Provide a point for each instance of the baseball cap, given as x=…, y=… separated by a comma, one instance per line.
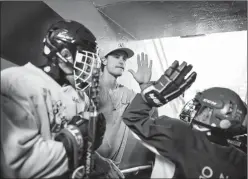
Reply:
x=112, y=47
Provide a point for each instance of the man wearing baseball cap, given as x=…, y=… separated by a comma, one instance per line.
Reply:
x=114, y=98
x=109, y=53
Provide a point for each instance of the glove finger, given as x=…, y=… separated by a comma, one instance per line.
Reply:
x=182, y=66
x=186, y=84
x=177, y=80
x=163, y=83
x=186, y=70
x=183, y=72
x=189, y=81
x=175, y=64
x=177, y=75
x=172, y=68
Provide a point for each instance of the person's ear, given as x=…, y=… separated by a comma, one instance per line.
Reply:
x=104, y=61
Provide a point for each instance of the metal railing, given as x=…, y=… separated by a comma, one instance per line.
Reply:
x=136, y=169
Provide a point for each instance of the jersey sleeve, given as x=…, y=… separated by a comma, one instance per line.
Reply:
x=167, y=135
x=25, y=152
x=131, y=95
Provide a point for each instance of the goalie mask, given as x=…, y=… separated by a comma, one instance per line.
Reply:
x=75, y=45
x=214, y=108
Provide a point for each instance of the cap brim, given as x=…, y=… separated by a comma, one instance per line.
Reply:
x=128, y=51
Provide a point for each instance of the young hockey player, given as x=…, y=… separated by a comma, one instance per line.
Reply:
x=199, y=149
x=44, y=132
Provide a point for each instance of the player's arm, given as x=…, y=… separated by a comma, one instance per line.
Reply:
x=27, y=148
x=162, y=133
x=25, y=151
x=131, y=95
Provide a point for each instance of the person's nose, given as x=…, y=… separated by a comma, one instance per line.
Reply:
x=121, y=61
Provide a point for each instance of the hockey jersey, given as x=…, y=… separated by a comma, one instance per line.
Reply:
x=194, y=155
x=33, y=108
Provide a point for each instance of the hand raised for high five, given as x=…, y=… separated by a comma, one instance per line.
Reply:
x=144, y=72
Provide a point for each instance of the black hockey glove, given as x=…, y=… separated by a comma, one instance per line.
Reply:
x=75, y=136
x=170, y=85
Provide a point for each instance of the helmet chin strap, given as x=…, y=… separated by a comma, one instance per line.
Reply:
x=54, y=71
x=65, y=61
x=68, y=74
x=213, y=133
x=206, y=126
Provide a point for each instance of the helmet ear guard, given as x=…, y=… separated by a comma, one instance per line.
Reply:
x=50, y=50
x=48, y=45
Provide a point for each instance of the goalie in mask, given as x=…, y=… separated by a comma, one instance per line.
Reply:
x=46, y=127
x=198, y=144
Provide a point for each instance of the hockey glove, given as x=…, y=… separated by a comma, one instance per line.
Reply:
x=170, y=85
x=75, y=135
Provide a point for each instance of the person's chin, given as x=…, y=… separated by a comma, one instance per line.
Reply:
x=118, y=72
x=117, y=75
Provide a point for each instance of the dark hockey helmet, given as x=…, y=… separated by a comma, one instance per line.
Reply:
x=220, y=107
x=76, y=45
